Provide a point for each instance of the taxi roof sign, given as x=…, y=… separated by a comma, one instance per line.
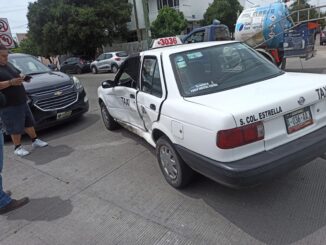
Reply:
x=166, y=41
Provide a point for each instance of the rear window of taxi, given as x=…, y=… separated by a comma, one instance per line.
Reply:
x=218, y=68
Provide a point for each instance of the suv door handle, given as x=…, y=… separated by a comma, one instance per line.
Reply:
x=152, y=106
x=132, y=96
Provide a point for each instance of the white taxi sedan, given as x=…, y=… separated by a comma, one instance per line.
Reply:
x=219, y=109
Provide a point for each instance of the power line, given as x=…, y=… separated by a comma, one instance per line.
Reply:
x=14, y=10
x=20, y=26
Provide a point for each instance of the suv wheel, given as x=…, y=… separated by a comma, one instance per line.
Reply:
x=108, y=120
x=79, y=70
x=94, y=70
x=176, y=172
x=114, y=68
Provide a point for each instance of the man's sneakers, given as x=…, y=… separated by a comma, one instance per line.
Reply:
x=14, y=204
x=20, y=151
x=39, y=143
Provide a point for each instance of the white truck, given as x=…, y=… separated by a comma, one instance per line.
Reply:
x=220, y=109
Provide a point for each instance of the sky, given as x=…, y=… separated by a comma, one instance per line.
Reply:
x=15, y=11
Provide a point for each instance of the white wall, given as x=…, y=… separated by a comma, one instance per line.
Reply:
x=140, y=12
x=193, y=10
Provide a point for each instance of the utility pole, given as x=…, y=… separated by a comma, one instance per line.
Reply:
x=139, y=35
x=146, y=19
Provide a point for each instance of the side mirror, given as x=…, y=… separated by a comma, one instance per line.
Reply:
x=53, y=67
x=108, y=84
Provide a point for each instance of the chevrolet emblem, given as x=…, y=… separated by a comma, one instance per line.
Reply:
x=58, y=93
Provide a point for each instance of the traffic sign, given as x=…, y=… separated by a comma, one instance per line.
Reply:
x=5, y=34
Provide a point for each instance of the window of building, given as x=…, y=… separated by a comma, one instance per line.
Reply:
x=169, y=3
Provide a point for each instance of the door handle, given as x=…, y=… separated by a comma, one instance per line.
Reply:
x=152, y=106
x=132, y=96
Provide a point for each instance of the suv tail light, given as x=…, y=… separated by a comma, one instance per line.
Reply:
x=117, y=59
x=235, y=137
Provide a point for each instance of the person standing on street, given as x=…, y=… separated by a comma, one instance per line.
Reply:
x=16, y=116
x=8, y=204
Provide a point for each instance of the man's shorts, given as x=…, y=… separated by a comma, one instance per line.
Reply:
x=15, y=119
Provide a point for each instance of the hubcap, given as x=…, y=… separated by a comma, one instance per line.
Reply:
x=105, y=116
x=168, y=162
x=114, y=69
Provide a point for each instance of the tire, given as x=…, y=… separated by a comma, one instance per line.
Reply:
x=108, y=120
x=94, y=70
x=176, y=172
x=114, y=68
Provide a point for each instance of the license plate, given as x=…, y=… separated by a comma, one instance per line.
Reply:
x=63, y=115
x=298, y=120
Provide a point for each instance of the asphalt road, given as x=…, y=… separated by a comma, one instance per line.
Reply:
x=92, y=186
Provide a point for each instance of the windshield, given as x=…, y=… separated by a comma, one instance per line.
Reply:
x=28, y=65
x=218, y=68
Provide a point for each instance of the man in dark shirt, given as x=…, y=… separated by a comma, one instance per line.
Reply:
x=7, y=204
x=16, y=116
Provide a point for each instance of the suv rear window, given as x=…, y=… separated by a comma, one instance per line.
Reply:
x=122, y=54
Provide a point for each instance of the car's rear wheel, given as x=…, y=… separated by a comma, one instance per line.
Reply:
x=176, y=172
x=94, y=70
x=114, y=68
x=108, y=120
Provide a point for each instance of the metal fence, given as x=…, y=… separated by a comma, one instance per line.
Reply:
x=131, y=47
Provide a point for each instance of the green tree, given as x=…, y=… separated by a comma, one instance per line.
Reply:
x=169, y=22
x=303, y=15
x=226, y=11
x=26, y=46
x=76, y=26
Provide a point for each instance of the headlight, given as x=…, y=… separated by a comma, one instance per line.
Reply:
x=77, y=83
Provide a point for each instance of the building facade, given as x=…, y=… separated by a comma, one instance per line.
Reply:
x=193, y=11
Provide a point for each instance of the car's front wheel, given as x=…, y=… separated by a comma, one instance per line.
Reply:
x=114, y=68
x=94, y=70
x=108, y=120
x=79, y=70
x=176, y=172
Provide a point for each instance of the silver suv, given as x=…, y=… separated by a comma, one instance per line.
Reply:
x=108, y=62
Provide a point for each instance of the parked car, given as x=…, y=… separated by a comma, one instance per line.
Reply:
x=53, y=96
x=109, y=62
x=76, y=65
x=322, y=37
x=220, y=109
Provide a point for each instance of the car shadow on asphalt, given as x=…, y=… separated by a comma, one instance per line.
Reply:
x=42, y=209
x=41, y=156
x=137, y=139
x=70, y=127
x=282, y=211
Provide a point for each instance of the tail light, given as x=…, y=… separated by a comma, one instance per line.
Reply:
x=117, y=59
x=81, y=61
x=235, y=137
x=322, y=34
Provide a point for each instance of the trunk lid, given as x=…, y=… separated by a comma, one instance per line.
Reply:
x=271, y=101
